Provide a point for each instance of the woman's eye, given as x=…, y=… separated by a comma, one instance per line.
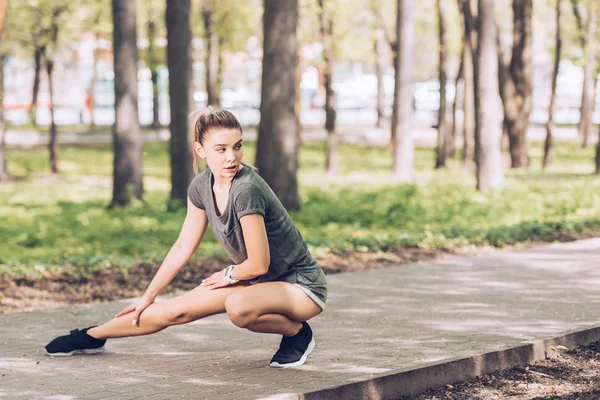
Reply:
x=220, y=150
x=238, y=147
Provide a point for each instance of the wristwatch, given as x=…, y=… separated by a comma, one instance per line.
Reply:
x=228, y=277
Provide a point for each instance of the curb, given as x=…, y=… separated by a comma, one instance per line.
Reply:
x=411, y=382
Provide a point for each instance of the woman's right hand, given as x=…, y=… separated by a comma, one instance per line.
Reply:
x=136, y=309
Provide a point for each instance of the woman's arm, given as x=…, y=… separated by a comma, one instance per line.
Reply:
x=192, y=232
x=257, y=247
x=189, y=239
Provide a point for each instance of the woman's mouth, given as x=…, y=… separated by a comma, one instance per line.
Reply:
x=231, y=168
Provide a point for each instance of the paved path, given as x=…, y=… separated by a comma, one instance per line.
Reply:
x=376, y=322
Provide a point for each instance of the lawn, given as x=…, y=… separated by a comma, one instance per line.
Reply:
x=61, y=224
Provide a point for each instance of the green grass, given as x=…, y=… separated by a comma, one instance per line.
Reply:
x=62, y=224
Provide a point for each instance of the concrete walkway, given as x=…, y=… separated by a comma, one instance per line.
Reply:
x=377, y=323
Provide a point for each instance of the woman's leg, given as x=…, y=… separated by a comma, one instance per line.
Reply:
x=195, y=304
x=271, y=307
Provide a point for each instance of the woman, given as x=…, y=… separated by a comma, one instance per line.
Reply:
x=275, y=285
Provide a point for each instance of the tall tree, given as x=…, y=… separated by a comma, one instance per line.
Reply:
x=557, y=54
x=467, y=8
x=212, y=54
x=488, y=157
x=332, y=161
x=179, y=60
x=516, y=84
x=443, y=141
x=458, y=82
x=127, y=135
x=402, y=106
x=379, y=48
x=153, y=66
x=587, y=19
x=50, y=56
x=4, y=175
x=277, y=144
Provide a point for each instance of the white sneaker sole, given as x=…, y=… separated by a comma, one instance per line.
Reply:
x=75, y=352
x=298, y=363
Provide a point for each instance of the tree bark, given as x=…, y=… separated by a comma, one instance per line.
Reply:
x=379, y=45
x=457, y=83
x=443, y=142
x=212, y=55
x=516, y=84
x=127, y=136
x=487, y=128
x=179, y=60
x=405, y=148
x=470, y=41
x=332, y=159
x=52, y=143
x=598, y=155
x=91, y=88
x=4, y=175
x=557, y=54
x=38, y=54
x=277, y=144
x=153, y=66
x=589, y=81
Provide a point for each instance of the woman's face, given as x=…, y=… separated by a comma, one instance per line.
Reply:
x=222, y=151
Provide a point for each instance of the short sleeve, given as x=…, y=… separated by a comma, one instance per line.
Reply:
x=195, y=192
x=250, y=200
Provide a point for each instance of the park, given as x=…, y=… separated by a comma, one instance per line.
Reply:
x=441, y=161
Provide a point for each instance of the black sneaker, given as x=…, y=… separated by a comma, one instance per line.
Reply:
x=77, y=342
x=293, y=350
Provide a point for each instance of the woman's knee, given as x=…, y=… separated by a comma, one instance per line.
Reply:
x=239, y=311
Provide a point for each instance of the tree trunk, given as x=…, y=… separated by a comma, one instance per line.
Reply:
x=469, y=41
x=91, y=101
x=127, y=136
x=379, y=72
x=394, y=116
x=52, y=143
x=212, y=55
x=332, y=159
x=38, y=53
x=179, y=60
x=405, y=148
x=443, y=142
x=487, y=128
x=153, y=66
x=516, y=84
x=457, y=83
x=4, y=175
x=550, y=124
x=297, y=97
x=589, y=89
x=277, y=148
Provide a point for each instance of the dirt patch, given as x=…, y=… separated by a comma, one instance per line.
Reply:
x=574, y=375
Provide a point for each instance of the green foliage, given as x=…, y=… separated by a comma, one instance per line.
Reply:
x=63, y=225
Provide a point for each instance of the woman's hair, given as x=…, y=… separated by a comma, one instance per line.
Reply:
x=207, y=119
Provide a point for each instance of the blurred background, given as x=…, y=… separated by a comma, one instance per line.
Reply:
x=391, y=130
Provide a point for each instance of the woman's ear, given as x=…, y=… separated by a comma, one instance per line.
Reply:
x=199, y=150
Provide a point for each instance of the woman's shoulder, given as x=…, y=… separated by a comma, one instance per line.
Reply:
x=201, y=178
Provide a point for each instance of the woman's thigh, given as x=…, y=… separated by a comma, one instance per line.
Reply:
x=274, y=298
x=199, y=302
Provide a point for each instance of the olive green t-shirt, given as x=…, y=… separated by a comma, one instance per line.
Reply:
x=291, y=260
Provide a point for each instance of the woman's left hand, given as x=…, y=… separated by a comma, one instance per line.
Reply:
x=215, y=281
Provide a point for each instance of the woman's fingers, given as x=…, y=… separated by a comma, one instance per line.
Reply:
x=126, y=310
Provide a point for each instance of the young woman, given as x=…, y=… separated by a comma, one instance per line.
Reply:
x=275, y=285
